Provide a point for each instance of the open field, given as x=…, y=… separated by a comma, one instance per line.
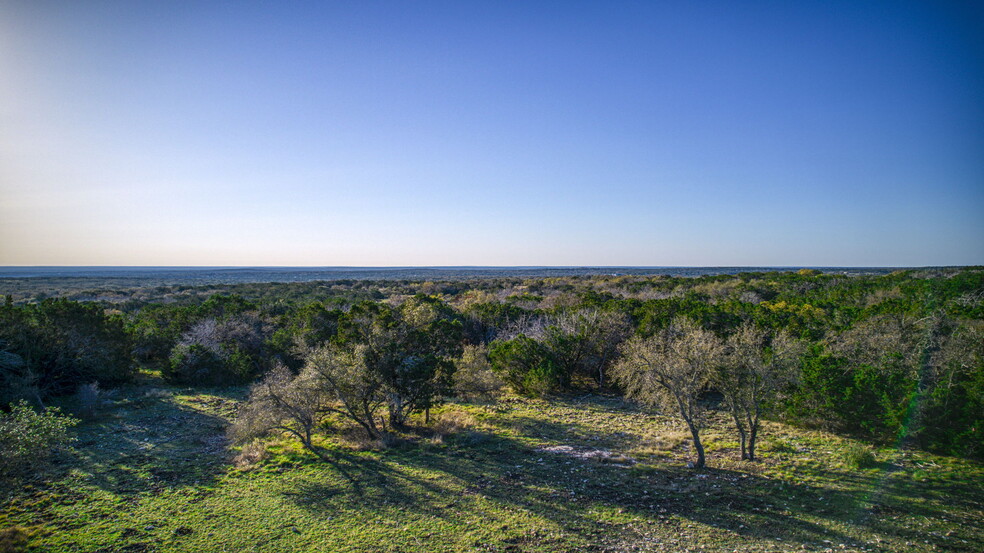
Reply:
x=152, y=472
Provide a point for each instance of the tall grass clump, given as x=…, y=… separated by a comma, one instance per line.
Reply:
x=859, y=456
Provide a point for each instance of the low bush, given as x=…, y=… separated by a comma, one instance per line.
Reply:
x=28, y=437
x=526, y=365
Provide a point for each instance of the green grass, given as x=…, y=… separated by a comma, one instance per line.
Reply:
x=152, y=473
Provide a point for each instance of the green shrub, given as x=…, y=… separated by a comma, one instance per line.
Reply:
x=220, y=352
x=66, y=344
x=28, y=437
x=526, y=365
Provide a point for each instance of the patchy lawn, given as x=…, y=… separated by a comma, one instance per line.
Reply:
x=153, y=473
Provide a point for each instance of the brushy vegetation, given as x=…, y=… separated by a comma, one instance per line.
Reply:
x=29, y=438
x=871, y=347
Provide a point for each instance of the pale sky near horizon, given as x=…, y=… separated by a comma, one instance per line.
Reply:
x=491, y=133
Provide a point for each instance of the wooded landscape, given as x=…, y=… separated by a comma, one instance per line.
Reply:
x=710, y=377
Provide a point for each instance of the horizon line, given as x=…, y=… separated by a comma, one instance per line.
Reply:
x=794, y=266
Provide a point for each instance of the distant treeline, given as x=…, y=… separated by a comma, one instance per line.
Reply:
x=118, y=284
x=895, y=357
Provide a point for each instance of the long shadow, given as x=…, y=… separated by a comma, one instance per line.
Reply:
x=151, y=444
x=565, y=490
x=886, y=497
x=367, y=485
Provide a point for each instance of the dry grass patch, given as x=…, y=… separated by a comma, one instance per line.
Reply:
x=250, y=455
x=355, y=438
x=665, y=445
x=453, y=421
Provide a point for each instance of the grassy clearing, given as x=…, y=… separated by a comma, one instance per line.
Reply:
x=153, y=473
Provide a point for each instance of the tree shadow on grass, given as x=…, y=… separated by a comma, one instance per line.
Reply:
x=512, y=474
x=366, y=484
x=458, y=481
x=151, y=444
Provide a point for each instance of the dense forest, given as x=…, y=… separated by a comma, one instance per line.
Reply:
x=896, y=358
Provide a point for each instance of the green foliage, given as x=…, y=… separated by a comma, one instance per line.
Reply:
x=877, y=400
x=823, y=382
x=483, y=321
x=379, y=357
x=194, y=363
x=952, y=415
x=561, y=351
x=16, y=380
x=155, y=329
x=527, y=365
x=408, y=349
x=221, y=306
x=891, y=355
x=869, y=399
x=231, y=349
x=65, y=344
x=301, y=329
x=199, y=365
x=28, y=437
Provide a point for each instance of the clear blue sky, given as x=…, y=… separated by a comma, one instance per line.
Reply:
x=491, y=133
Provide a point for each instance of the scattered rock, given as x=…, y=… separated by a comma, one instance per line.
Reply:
x=585, y=453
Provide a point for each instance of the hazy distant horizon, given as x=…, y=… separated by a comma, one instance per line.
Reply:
x=11, y=267
x=504, y=267
x=225, y=275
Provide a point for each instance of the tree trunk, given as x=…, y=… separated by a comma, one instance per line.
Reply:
x=751, y=442
x=368, y=422
x=697, y=445
x=601, y=369
x=307, y=438
x=741, y=434
x=370, y=429
x=744, y=449
x=397, y=417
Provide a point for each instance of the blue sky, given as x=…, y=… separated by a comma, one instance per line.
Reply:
x=491, y=133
